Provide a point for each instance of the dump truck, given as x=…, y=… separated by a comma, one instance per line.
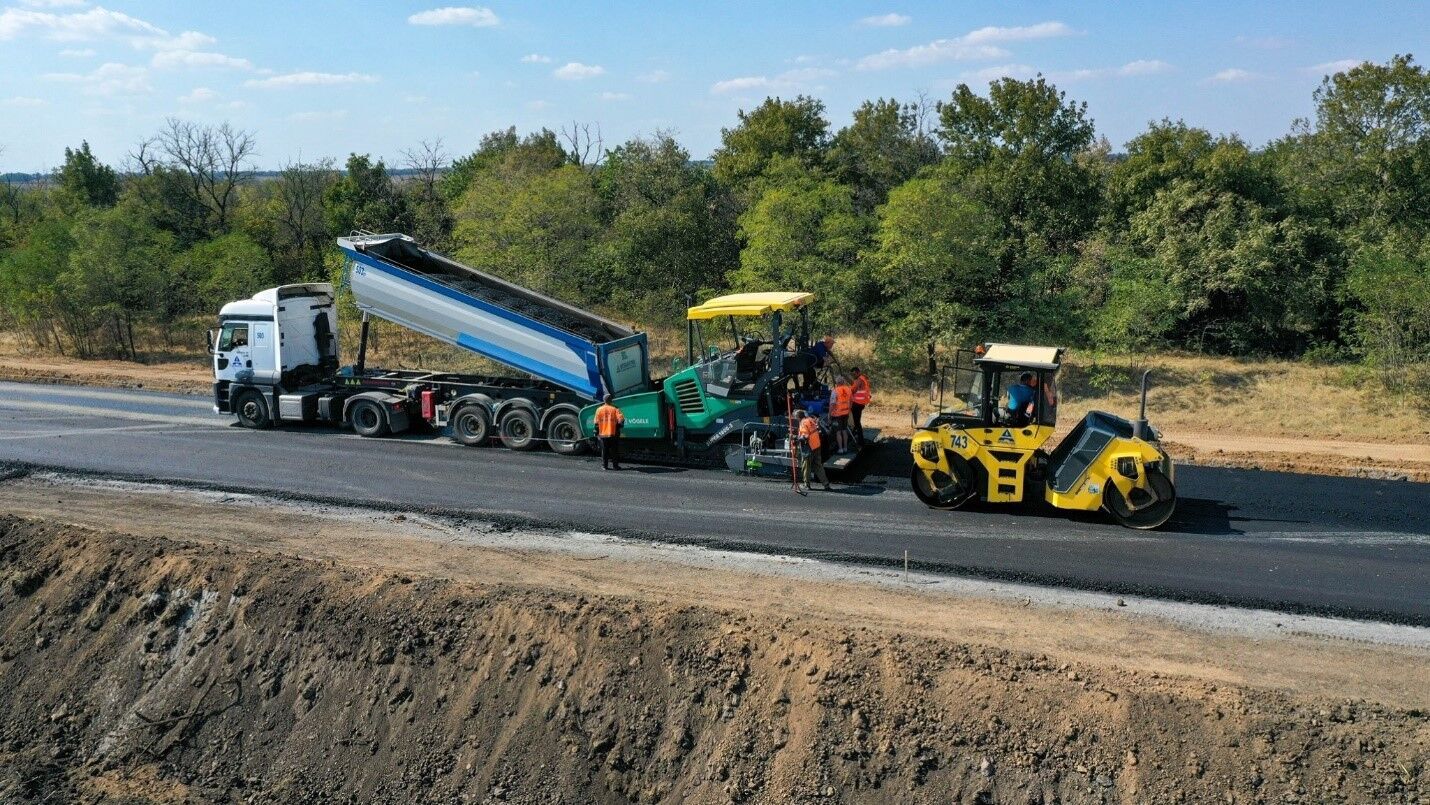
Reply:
x=275, y=360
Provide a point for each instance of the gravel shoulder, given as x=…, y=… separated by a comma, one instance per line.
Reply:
x=302, y=652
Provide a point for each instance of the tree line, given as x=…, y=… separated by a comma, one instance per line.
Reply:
x=1000, y=215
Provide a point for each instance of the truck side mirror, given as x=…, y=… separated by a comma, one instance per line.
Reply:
x=209, y=338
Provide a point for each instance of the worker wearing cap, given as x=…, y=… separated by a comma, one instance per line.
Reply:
x=863, y=395
x=841, y=403
x=609, y=420
x=810, y=458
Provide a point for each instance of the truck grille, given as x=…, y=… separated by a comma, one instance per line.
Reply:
x=687, y=397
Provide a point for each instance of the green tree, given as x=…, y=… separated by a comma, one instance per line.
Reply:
x=1364, y=160
x=85, y=181
x=504, y=152
x=117, y=267
x=1391, y=323
x=31, y=293
x=936, y=266
x=539, y=231
x=215, y=272
x=365, y=198
x=669, y=227
x=795, y=129
x=881, y=149
x=802, y=233
x=1016, y=153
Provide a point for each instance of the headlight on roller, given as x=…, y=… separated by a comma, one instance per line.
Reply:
x=928, y=449
x=1127, y=467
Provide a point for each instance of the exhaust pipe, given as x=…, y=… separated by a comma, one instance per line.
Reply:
x=1140, y=428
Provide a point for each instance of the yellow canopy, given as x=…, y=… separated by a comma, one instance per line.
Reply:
x=1022, y=356
x=749, y=304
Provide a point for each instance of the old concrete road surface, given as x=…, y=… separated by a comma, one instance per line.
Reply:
x=1288, y=542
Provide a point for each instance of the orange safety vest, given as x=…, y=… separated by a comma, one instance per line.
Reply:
x=842, y=401
x=862, y=392
x=608, y=420
x=809, y=429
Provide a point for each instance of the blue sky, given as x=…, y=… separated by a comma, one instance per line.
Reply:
x=321, y=78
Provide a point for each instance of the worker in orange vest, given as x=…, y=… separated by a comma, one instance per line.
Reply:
x=863, y=395
x=841, y=402
x=609, y=420
x=810, y=457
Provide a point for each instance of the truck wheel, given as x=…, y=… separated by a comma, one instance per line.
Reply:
x=252, y=410
x=563, y=433
x=517, y=429
x=471, y=426
x=368, y=418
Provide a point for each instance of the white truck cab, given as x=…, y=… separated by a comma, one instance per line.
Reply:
x=284, y=336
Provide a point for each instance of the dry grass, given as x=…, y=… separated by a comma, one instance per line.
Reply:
x=1190, y=394
x=1196, y=394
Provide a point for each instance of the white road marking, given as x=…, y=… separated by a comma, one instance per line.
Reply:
x=215, y=421
x=50, y=434
x=96, y=394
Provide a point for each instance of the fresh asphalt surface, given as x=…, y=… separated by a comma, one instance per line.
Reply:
x=1298, y=543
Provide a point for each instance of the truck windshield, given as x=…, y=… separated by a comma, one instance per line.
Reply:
x=232, y=337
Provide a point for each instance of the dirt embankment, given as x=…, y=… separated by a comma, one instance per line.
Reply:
x=151, y=669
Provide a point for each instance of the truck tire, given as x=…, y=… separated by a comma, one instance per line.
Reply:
x=368, y=418
x=471, y=426
x=252, y=410
x=517, y=429
x=563, y=433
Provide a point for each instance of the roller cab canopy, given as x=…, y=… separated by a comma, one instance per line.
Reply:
x=749, y=304
x=1021, y=356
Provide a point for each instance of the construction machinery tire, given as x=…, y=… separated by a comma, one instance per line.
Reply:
x=368, y=419
x=252, y=410
x=1149, y=514
x=471, y=425
x=563, y=433
x=517, y=429
x=944, y=490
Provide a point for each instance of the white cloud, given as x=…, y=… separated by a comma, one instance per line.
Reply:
x=95, y=24
x=615, y=96
x=108, y=79
x=1232, y=75
x=786, y=81
x=309, y=79
x=475, y=16
x=890, y=20
x=198, y=95
x=21, y=100
x=316, y=116
x=535, y=58
x=1144, y=67
x=173, y=59
x=980, y=44
x=53, y=3
x=1019, y=33
x=1332, y=67
x=653, y=77
x=77, y=53
x=997, y=71
x=575, y=71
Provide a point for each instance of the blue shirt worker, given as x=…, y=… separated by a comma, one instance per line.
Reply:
x=1020, y=398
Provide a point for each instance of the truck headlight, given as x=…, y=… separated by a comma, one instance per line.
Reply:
x=1127, y=467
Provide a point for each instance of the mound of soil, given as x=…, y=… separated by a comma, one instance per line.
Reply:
x=142, y=669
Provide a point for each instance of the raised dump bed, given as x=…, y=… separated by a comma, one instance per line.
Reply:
x=395, y=279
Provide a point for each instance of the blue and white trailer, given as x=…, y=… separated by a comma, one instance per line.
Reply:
x=275, y=355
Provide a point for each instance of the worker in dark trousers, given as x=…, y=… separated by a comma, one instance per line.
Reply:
x=609, y=421
x=811, y=457
x=863, y=395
